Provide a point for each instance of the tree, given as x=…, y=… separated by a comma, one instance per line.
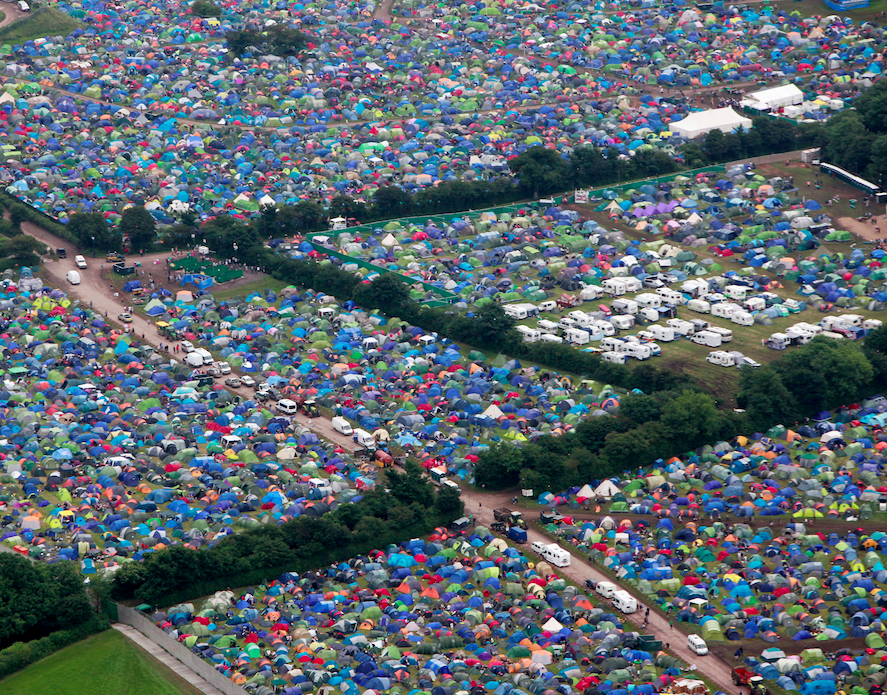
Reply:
x=25, y=250
x=499, y=465
x=137, y=224
x=284, y=41
x=540, y=171
x=448, y=503
x=491, y=325
x=240, y=41
x=230, y=237
x=872, y=107
x=765, y=398
x=691, y=418
x=349, y=208
x=387, y=292
x=205, y=8
x=825, y=373
x=392, y=202
x=411, y=485
x=640, y=408
x=586, y=166
x=92, y=231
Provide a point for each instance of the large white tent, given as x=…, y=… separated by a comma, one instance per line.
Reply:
x=702, y=122
x=774, y=98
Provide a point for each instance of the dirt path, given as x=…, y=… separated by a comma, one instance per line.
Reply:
x=11, y=13
x=863, y=229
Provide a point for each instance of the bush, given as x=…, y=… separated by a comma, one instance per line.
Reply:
x=20, y=654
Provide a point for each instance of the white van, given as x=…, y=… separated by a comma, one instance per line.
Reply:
x=606, y=589
x=625, y=602
x=23, y=6
x=80, y=262
x=205, y=355
x=708, y=338
x=342, y=426
x=192, y=359
x=230, y=440
x=286, y=407
x=614, y=357
x=550, y=338
x=73, y=277
x=363, y=438
x=697, y=645
x=547, y=306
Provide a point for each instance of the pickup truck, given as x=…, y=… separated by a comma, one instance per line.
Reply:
x=551, y=517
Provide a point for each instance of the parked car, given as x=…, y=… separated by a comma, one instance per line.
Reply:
x=126, y=318
x=233, y=381
x=248, y=381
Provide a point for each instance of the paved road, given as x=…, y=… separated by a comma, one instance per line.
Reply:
x=167, y=659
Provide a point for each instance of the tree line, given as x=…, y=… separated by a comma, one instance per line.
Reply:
x=410, y=507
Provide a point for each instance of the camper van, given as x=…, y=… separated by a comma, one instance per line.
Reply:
x=707, y=338
x=590, y=293
x=798, y=336
x=547, y=326
x=754, y=304
x=614, y=344
x=624, y=306
x=606, y=589
x=832, y=335
x=872, y=324
x=622, y=322
x=725, y=310
x=638, y=351
x=721, y=358
x=700, y=306
x=849, y=320
x=649, y=300
x=552, y=553
x=529, y=335
x=547, y=306
x=810, y=329
x=567, y=323
x=669, y=296
x=604, y=327
x=725, y=333
x=624, y=601
x=663, y=333
x=742, y=318
x=830, y=323
x=614, y=357
x=737, y=292
x=681, y=327
x=550, y=338
x=777, y=341
x=577, y=336
x=516, y=311
x=695, y=288
x=615, y=287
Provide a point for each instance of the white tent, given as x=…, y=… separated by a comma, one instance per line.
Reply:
x=606, y=489
x=702, y=122
x=552, y=625
x=493, y=412
x=585, y=491
x=775, y=98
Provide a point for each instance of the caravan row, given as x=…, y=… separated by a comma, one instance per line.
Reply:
x=845, y=327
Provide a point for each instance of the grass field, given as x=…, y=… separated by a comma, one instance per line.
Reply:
x=45, y=22
x=221, y=293
x=107, y=663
